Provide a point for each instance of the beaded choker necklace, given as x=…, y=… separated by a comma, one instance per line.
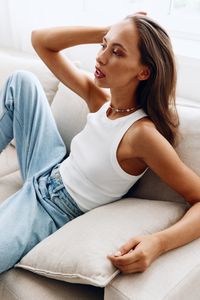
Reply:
x=122, y=110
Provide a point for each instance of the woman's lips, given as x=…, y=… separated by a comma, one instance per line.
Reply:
x=99, y=74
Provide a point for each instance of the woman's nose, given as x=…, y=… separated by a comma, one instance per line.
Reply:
x=102, y=57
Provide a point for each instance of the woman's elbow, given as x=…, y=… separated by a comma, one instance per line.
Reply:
x=35, y=38
x=193, y=198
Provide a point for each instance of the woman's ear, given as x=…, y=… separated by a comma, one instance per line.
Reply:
x=144, y=73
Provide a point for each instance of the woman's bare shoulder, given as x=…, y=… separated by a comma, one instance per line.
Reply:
x=144, y=135
x=141, y=128
x=144, y=123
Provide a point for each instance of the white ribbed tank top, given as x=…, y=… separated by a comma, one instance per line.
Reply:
x=91, y=173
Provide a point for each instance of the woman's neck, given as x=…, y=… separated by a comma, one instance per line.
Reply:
x=120, y=100
x=121, y=104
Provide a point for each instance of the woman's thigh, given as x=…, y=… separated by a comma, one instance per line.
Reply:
x=23, y=222
x=40, y=208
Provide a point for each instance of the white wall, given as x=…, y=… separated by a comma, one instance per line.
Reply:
x=19, y=17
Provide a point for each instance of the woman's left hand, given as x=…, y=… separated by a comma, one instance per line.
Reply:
x=137, y=254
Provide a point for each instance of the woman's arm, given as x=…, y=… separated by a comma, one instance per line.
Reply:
x=138, y=253
x=49, y=43
x=59, y=38
x=183, y=232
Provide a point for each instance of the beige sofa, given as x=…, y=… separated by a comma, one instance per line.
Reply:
x=63, y=267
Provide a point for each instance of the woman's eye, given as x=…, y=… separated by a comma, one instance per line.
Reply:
x=117, y=53
x=103, y=46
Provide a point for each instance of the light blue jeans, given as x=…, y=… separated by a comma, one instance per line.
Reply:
x=42, y=205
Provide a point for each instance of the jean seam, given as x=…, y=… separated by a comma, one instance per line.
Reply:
x=21, y=124
x=56, y=194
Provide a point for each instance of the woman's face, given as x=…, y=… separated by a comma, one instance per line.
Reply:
x=118, y=61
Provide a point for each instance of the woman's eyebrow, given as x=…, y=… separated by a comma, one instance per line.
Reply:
x=115, y=44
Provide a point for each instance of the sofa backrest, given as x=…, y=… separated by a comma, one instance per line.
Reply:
x=188, y=78
x=11, y=61
x=70, y=112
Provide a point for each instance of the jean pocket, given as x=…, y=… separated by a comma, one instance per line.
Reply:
x=42, y=187
x=59, y=197
x=64, y=202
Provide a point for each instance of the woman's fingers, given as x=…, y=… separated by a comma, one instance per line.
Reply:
x=141, y=13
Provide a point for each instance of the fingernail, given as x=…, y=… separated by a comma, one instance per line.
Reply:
x=118, y=253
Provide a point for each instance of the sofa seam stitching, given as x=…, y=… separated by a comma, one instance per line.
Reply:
x=12, y=292
x=164, y=298
x=114, y=288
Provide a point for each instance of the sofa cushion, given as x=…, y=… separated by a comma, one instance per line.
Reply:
x=173, y=276
x=8, y=161
x=78, y=251
x=11, y=61
x=9, y=184
x=18, y=284
x=10, y=179
x=70, y=113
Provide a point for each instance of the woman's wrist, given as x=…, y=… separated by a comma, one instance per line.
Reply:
x=161, y=242
x=59, y=38
x=103, y=32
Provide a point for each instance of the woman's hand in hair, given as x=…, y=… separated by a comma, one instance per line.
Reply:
x=141, y=13
x=137, y=254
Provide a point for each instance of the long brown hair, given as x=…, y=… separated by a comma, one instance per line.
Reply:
x=156, y=95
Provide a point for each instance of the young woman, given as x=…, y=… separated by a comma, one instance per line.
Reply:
x=129, y=129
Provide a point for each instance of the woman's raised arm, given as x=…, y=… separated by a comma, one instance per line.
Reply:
x=49, y=42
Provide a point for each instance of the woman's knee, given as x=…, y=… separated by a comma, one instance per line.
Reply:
x=24, y=88
x=23, y=77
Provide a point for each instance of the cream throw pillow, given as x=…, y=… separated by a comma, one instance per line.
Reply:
x=11, y=61
x=70, y=112
x=78, y=251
